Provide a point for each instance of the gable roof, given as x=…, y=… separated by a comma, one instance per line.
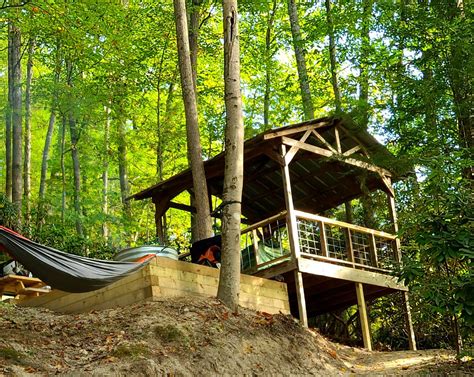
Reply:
x=337, y=161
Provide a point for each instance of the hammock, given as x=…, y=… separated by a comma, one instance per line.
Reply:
x=67, y=272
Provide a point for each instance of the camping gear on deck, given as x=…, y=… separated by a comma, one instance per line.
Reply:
x=134, y=254
x=207, y=251
x=67, y=272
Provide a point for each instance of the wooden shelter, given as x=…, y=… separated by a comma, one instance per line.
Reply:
x=292, y=176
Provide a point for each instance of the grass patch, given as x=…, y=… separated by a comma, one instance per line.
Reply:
x=11, y=354
x=170, y=333
x=131, y=350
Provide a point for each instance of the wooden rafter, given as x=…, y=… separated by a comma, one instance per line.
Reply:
x=294, y=149
x=327, y=153
x=324, y=141
x=294, y=130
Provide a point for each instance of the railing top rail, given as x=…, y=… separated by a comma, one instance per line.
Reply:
x=310, y=216
x=264, y=222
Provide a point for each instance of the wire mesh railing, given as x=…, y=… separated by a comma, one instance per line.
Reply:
x=336, y=241
x=264, y=244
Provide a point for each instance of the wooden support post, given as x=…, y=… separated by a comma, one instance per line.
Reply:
x=398, y=257
x=349, y=248
x=322, y=237
x=160, y=233
x=291, y=217
x=255, y=246
x=409, y=322
x=301, y=298
x=373, y=250
x=364, y=320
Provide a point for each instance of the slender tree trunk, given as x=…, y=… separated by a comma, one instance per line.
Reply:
x=17, y=163
x=105, y=176
x=367, y=200
x=332, y=56
x=300, y=61
x=229, y=282
x=203, y=216
x=335, y=84
x=268, y=66
x=363, y=62
x=48, y=141
x=8, y=119
x=194, y=21
x=123, y=163
x=63, y=167
x=75, y=154
x=193, y=50
x=27, y=160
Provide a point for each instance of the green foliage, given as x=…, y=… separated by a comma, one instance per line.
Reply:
x=419, y=62
x=8, y=214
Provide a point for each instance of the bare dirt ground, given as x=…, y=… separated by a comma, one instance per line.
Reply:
x=188, y=337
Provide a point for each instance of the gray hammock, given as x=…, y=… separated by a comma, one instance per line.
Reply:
x=67, y=272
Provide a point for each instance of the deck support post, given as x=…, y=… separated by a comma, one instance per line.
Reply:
x=301, y=298
x=409, y=322
x=364, y=320
x=398, y=256
x=290, y=209
x=293, y=236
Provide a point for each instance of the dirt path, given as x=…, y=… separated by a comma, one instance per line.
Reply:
x=423, y=362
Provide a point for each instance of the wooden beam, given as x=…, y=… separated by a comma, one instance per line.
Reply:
x=364, y=320
x=291, y=217
x=348, y=273
x=324, y=141
x=352, y=150
x=301, y=298
x=294, y=130
x=338, y=139
x=294, y=149
x=284, y=267
x=327, y=153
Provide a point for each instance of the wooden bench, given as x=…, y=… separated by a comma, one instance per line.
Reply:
x=22, y=286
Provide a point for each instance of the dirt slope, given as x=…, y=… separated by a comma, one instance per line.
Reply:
x=185, y=336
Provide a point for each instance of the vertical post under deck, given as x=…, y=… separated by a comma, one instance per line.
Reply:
x=301, y=298
x=294, y=242
x=364, y=319
x=398, y=256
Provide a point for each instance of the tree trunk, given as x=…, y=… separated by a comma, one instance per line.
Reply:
x=105, y=176
x=8, y=120
x=363, y=63
x=62, y=145
x=75, y=154
x=335, y=84
x=367, y=199
x=332, y=57
x=300, y=61
x=194, y=38
x=27, y=160
x=268, y=66
x=123, y=163
x=17, y=163
x=229, y=282
x=49, y=133
x=203, y=216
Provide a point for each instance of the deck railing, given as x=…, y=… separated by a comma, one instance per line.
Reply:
x=330, y=240
x=267, y=243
